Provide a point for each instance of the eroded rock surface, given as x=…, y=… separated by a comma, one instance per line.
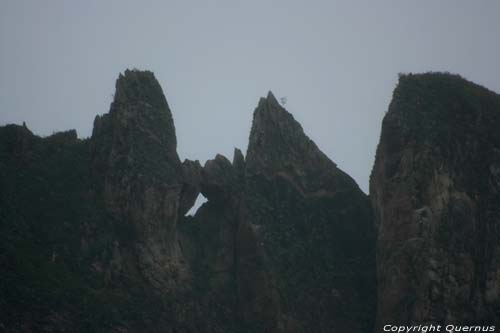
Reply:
x=435, y=193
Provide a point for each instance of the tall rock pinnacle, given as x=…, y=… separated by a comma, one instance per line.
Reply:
x=435, y=191
x=138, y=133
x=134, y=158
x=314, y=226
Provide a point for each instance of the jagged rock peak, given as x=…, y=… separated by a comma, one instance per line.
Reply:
x=270, y=103
x=135, y=86
x=138, y=129
x=238, y=158
x=278, y=144
x=272, y=124
x=271, y=99
x=292, y=191
x=139, y=104
x=434, y=190
x=239, y=164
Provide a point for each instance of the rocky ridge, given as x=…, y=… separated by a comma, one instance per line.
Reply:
x=232, y=267
x=95, y=237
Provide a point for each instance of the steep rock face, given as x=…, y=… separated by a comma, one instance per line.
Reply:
x=435, y=193
x=134, y=155
x=89, y=238
x=313, y=229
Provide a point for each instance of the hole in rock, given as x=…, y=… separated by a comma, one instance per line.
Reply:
x=200, y=200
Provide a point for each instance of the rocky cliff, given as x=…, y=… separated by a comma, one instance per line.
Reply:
x=285, y=241
x=435, y=194
x=94, y=235
x=313, y=224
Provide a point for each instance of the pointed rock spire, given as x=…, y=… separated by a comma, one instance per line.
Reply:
x=136, y=86
x=239, y=165
x=138, y=133
x=135, y=162
x=300, y=202
x=278, y=142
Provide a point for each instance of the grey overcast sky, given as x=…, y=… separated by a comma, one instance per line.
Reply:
x=335, y=61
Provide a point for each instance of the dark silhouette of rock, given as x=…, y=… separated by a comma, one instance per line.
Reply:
x=313, y=229
x=210, y=241
x=94, y=234
x=435, y=193
x=283, y=244
x=133, y=150
x=90, y=227
x=219, y=180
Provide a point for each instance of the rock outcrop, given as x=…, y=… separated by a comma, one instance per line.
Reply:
x=94, y=234
x=313, y=226
x=435, y=193
x=209, y=240
x=283, y=244
x=134, y=158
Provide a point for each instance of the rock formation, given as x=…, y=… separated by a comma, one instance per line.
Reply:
x=435, y=194
x=97, y=237
x=94, y=234
x=286, y=237
x=313, y=225
x=134, y=156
